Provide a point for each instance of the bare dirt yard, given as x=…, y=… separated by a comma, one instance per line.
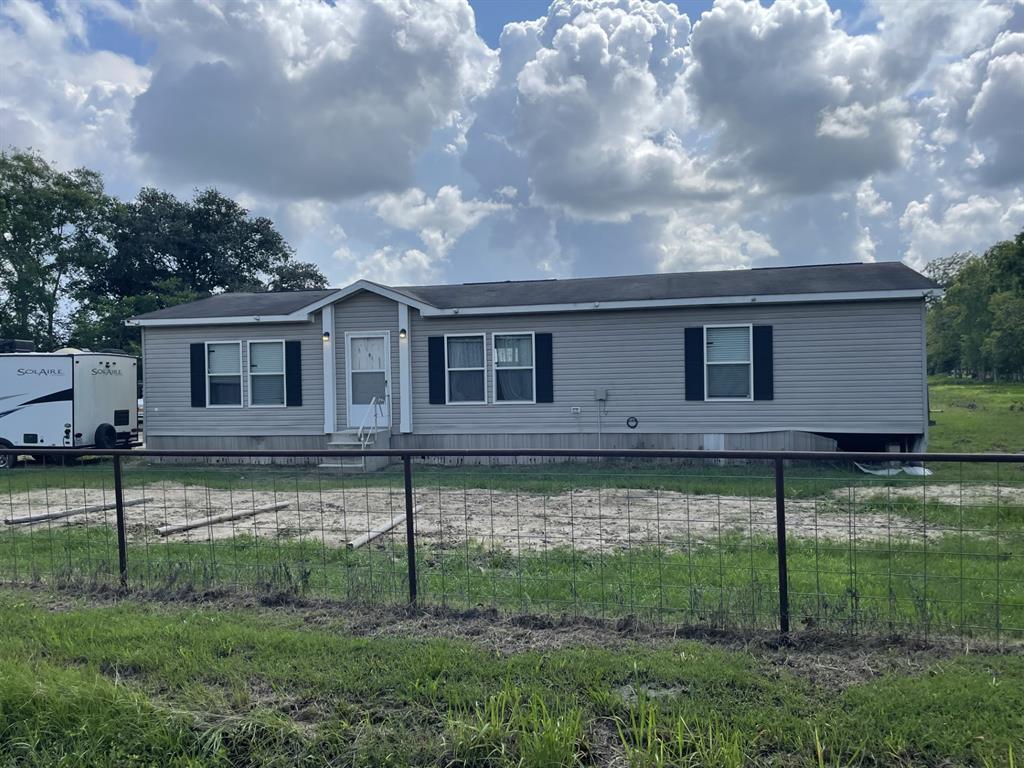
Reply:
x=584, y=519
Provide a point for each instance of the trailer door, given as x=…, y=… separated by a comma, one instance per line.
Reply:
x=105, y=393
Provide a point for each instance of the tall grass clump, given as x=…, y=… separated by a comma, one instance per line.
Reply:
x=513, y=729
x=651, y=739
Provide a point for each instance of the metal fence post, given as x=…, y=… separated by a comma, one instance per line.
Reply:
x=780, y=531
x=410, y=528
x=122, y=544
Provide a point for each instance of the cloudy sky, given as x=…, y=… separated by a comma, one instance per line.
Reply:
x=458, y=141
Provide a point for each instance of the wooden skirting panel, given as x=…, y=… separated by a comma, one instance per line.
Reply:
x=766, y=441
x=237, y=443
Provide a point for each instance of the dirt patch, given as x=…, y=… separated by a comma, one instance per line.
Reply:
x=955, y=494
x=583, y=519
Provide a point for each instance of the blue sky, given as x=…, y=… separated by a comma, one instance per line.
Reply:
x=418, y=144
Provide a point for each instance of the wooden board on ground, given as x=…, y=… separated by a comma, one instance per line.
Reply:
x=377, y=532
x=76, y=511
x=167, y=530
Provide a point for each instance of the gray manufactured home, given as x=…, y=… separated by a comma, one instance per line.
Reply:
x=783, y=358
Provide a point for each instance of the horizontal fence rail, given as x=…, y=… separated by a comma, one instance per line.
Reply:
x=726, y=539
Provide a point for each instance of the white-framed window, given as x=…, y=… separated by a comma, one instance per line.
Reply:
x=224, y=374
x=266, y=374
x=728, y=368
x=465, y=366
x=515, y=378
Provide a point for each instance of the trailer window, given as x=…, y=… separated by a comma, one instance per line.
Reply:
x=728, y=367
x=464, y=358
x=224, y=373
x=266, y=373
x=513, y=368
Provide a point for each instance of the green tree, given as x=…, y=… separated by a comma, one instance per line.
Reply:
x=977, y=327
x=1004, y=344
x=51, y=236
x=944, y=270
x=166, y=251
x=297, y=276
x=75, y=263
x=1007, y=260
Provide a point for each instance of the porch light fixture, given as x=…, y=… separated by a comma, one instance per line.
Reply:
x=403, y=334
x=327, y=336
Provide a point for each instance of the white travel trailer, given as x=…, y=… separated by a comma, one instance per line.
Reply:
x=67, y=399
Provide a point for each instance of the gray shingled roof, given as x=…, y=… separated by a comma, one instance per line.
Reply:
x=826, y=278
x=240, y=305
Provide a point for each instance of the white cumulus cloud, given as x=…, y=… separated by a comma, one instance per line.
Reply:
x=687, y=246
x=388, y=265
x=794, y=101
x=973, y=224
x=869, y=202
x=590, y=103
x=301, y=98
x=606, y=136
x=440, y=220
x=60, y=98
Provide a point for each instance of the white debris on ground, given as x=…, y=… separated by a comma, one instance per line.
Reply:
x=583, y=519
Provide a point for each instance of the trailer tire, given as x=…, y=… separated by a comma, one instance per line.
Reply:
x=105, y=437
x=6, y=459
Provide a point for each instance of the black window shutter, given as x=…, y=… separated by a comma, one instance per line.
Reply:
x=693, y=362
x=293, y=372
x=764, y=374
x=542, y=350
x=197, y=372
x=435, y=369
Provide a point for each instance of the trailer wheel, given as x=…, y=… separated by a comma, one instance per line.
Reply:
x=106, y=436
x=6, y=459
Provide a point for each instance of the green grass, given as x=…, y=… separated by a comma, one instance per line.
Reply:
x=803, y=479
x=956, y=583
x=976, y=417
x=146, y=684
x=968, y=578
x=700, y=477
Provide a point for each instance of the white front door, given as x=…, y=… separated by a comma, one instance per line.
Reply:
x=368, y=378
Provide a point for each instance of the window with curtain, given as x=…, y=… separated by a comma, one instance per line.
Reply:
x=727, y=362
x=464, y=361
x=513, y=368
x=224, y=373
x=266, y=373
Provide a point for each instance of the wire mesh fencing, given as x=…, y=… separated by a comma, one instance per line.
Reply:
x=752, y=540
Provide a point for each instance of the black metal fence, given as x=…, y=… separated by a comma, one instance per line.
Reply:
x=931, y=545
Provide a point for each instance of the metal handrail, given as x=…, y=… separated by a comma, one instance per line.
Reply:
x=362, y=434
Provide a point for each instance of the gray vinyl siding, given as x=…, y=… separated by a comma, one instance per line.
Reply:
x=365, y=311
x=167, y=388
x=855, y=367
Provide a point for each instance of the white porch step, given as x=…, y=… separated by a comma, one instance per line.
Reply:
x=348, y=440
x=355, y=464
x=350, y=437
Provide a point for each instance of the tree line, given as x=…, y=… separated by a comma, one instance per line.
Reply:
x=76, y=262
x=977, y=328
